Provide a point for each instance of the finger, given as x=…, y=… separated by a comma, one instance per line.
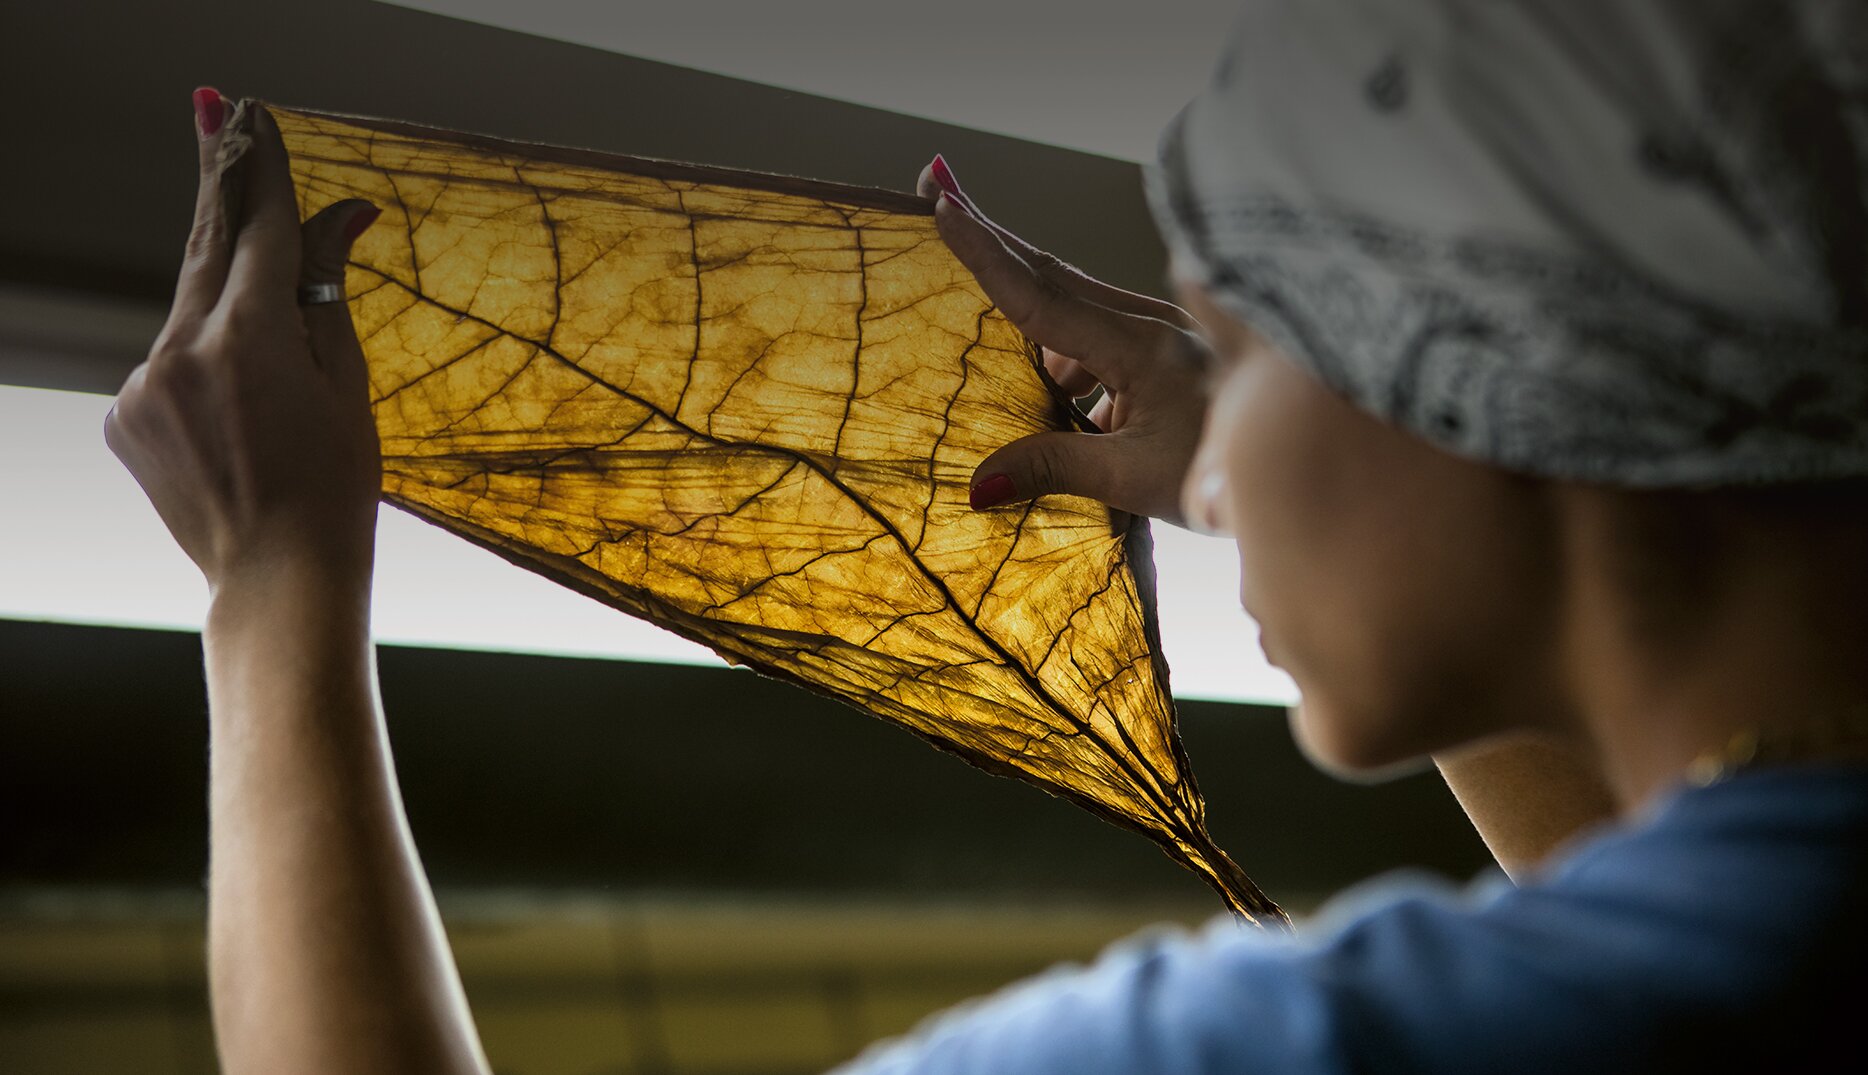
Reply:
x=1095, y=465
x=1103, y=414
x=1107, y=343
x=266, y=255
x=204, y=262
x=938, y=177
x=326, y=240
x=1070, y=375
x=1074, y=280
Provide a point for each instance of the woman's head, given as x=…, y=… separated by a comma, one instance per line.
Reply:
x=1423, y=601
x=1411, y=594
x=1496, y=294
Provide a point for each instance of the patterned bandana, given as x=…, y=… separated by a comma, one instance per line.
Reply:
x=1615, y=241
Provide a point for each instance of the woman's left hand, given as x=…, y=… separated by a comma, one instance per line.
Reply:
x=1146, y=355
x=249, y=424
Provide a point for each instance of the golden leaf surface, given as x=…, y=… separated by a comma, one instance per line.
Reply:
x=747, y=408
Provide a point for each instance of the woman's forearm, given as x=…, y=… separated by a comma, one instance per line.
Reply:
x=325, y=950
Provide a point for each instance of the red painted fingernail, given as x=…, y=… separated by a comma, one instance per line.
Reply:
x=991, y=492
x=208, y=111
x=944, y=176
x=359, y=221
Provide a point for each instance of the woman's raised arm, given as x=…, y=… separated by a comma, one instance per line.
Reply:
x=249, y=428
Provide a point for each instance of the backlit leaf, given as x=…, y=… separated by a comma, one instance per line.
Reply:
x=746, y=408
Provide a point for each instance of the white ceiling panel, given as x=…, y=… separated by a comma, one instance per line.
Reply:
x=1103, y=76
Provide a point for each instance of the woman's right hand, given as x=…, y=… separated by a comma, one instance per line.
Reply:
x=249, y=424
x=1149, y=356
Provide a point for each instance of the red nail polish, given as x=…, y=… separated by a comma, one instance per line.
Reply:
x=208, y=111
x=359, y=221
x=992, y=492
x=944, y=176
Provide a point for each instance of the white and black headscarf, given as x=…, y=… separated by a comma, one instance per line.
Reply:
x=1618, y=241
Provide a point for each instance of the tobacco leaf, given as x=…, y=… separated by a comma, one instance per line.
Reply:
x=746, y=408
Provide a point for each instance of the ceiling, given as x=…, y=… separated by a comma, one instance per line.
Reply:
x=1101, y=76
x=100, y=192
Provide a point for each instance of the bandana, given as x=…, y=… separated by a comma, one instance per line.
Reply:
x=1614, y=241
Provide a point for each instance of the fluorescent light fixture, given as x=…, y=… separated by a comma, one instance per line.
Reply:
x=84, y=546
x=1103, y=76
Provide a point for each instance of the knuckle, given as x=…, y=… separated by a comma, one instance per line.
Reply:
x=1050, y=264
x=175, y=379
x=235, y=325
x=1039, y=307
x=129, y=410
x=132, y=385
x=204, y=239
x=173, y=342
x=1047, y=466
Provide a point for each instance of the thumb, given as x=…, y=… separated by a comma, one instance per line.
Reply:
x=1076, y=464
x=326, y=241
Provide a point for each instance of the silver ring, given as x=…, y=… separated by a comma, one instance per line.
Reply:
x=313, y=294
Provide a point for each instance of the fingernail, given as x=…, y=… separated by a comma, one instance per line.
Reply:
x=208, y=111
x=359, y=222
x=944, y=176
x=948, y=199
x=992, y=491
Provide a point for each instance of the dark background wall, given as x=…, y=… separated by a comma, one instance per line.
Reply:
x=538, y=772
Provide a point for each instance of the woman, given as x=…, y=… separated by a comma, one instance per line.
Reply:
x=1524, y=357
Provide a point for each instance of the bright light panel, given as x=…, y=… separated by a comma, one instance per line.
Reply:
x=87, y=548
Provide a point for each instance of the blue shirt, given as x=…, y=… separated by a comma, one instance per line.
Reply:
x=1725, y=931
